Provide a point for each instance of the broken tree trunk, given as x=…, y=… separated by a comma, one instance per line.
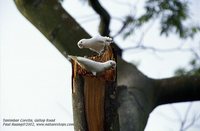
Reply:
x=94, y=97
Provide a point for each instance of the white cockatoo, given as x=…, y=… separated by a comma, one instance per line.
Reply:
x=93, y=66
x=97, y=43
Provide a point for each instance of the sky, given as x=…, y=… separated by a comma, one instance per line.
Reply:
x=35, y=78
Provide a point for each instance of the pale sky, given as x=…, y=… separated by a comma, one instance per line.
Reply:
x=35, y=78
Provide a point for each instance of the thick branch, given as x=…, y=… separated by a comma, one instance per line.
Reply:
x=53, y=21
x=104, y=15
x=178, y=89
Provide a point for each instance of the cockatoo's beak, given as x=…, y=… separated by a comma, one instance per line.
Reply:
x=113, y=65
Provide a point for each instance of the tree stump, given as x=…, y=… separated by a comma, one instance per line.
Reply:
x=94, y=97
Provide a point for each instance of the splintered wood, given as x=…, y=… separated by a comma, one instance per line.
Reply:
x=94, y=88
x=94, y=93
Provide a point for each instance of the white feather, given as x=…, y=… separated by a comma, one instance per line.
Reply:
x=97, y=44
x=94, y=66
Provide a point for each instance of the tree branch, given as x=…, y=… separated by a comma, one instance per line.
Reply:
x=51, y=19
x=104, y=22
x=177, y=89
x=104, y=15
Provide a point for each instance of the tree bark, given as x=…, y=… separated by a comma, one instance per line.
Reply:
x=137, y=94
x=178, y=89
x=80, y=123
x=94, y=97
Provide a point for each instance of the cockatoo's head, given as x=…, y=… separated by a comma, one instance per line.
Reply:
x=81, y=43
x=111, y=63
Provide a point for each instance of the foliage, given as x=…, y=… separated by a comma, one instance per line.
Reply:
x=172, y=14
x=195, y=69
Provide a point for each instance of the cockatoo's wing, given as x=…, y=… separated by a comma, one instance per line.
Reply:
x=97, y=43
x=103, y=39
x=98, y=38
x=100, y=43
x=98, y=49
x=92, y=66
